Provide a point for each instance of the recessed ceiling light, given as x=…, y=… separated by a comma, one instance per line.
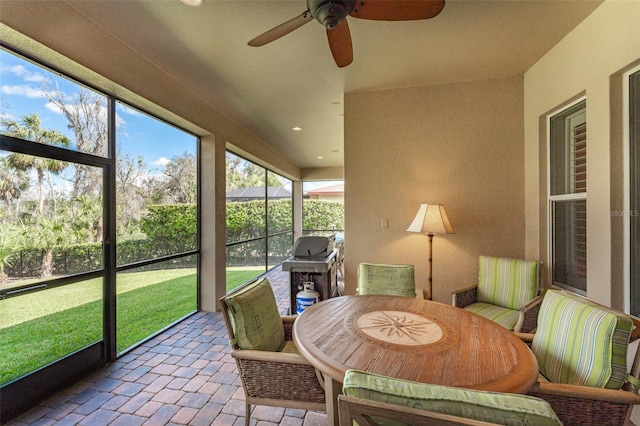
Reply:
x=296, y=129
x=320, y=158
x=191, y=2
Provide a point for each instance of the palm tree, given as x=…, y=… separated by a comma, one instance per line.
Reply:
x=29, y=128
x=87, y=213
x=47, y=235
x=6, y=256
x=12, y=183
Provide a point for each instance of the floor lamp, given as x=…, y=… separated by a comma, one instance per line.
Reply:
x=431, y=219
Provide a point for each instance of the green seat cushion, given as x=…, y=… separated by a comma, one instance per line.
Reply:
x=510, y=283
x=580, y=342
x=377, y=278
x=508, y=318
x=255, y=318
x=505, y=409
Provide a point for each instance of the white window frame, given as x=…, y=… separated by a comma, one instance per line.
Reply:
x=626, y=218
x=559, y=197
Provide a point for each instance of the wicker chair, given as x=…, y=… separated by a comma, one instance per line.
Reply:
x=380, y=278
x=282, y=378
x=494, y=297
x=586, y=405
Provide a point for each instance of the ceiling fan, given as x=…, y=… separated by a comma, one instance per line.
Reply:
x=332, y=15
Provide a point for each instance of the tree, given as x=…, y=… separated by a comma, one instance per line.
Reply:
x=180, y=178
x=47, y=234
x=176, y=185
x=29, y=128
x=245, y=174
x=87, y=217
x=130, y=192
x=87, y=117
x=6, y=255
x=12, y=183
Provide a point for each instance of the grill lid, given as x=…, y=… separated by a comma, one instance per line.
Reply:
x=313, y=247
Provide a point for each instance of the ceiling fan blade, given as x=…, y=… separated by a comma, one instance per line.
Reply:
x=397, y=10
x=340, y=44
x=281, y=30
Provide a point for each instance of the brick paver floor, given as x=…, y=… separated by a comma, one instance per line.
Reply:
x=184, y=376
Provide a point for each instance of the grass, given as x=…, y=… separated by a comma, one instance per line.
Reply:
x=239, y=275
x=39, y=328
x=30, y=345
x=163, y=303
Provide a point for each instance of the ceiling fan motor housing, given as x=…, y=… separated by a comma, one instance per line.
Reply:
x=330, y=13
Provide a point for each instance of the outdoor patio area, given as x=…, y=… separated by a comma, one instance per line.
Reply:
x=182, y=376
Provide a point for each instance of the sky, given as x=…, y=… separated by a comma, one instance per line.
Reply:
x=22, y=93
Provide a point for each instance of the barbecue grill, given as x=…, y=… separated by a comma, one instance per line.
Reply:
x=314, y=259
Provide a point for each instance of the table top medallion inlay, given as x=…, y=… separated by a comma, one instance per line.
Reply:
x=403, y=330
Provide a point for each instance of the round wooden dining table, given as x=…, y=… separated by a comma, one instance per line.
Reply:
x=411, y=339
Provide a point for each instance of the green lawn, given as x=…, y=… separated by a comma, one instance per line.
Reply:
x=39, y=328
x=239, y=275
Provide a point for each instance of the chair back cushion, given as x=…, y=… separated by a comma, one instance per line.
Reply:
x=377, y=278
x=504, y=409
x=255, y=318
x=581, y=343
x=510, y=283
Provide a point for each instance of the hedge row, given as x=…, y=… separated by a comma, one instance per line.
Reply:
x=172, y=229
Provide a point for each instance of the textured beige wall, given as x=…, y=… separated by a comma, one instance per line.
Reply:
x=587, y=61
x=460, y=145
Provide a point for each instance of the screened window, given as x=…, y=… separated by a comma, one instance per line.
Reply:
x=634, y=190
x=568, y=197
x=259, y=219
x=323, y=207
x=98, y=228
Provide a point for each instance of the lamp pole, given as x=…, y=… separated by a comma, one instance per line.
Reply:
x=430, y=283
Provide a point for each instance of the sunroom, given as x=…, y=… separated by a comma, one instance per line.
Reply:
x=452, y=110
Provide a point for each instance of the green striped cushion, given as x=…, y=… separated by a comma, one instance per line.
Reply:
x=508, y=318
x=510, y=283
x=573, y=343
x=619, y=346
x=255, y=317
x=504, y=409
x=377, y=278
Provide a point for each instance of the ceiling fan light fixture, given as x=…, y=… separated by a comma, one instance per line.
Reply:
x=330, y=13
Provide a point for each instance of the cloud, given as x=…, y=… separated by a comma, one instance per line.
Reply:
x=22, y=72
x=129, y=111
x=76, y=110
x=120, y=121
x=7, y=116
x=53, y=107
x=162, y=161
x=23, y=90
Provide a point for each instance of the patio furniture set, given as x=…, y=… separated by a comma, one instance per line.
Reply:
x=500, y=354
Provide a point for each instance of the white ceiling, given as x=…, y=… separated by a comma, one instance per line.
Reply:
x=294, y=81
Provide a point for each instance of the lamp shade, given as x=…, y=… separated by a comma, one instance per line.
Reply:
x=431, y=219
